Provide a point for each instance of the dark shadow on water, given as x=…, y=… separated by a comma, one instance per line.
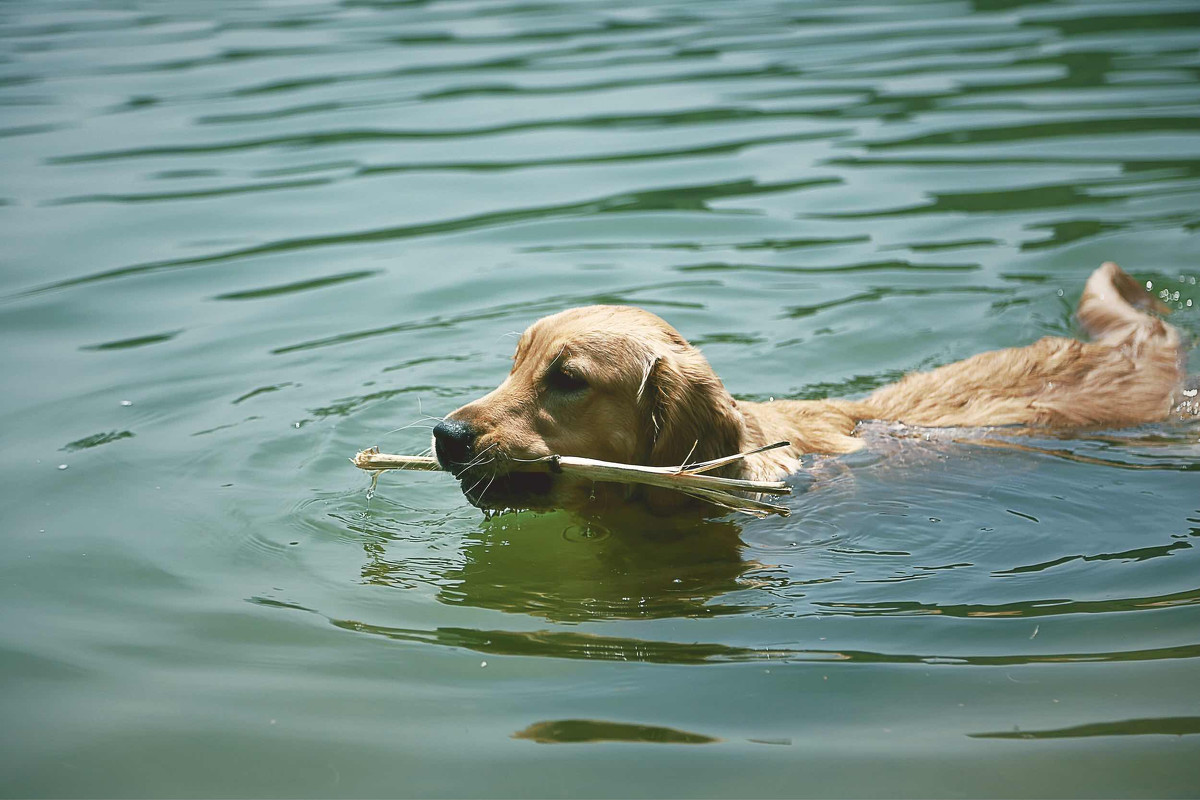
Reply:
x=298, y=286
x=1135, y=554
x=97, y=439
x=571, y=645
x=594, y=647
x=1045, y=607
x=1162, y=726
x=139, y=341
x=582, y=731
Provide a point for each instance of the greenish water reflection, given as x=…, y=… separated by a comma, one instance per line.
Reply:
x=573, y=570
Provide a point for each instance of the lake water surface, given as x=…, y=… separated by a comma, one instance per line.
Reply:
x=242, y=240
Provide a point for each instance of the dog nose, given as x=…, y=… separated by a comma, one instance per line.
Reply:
x=453, y=441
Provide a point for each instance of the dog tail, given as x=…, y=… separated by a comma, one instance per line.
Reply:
x=1114, y=308
x=1128, y=375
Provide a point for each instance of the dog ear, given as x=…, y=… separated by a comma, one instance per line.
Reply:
x=688, y=415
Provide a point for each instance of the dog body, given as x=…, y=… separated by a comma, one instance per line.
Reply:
x=619, y=384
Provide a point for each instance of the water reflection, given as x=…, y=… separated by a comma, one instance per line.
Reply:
x=570, y=569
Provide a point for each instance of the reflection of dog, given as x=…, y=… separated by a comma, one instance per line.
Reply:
x=619, y=384
x=623, y=565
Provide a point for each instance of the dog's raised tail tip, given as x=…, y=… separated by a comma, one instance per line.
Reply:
x=1114, y=303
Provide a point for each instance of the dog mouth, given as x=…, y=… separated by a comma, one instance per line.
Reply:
x=509, y=490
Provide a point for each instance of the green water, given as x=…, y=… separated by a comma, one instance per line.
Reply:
x=242, y=240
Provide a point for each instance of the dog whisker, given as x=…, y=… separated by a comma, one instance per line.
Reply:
x=416, y=424
x=478, y=459
x=474, y=485
x=421, y=411
x=485, y=489
x=471, y=488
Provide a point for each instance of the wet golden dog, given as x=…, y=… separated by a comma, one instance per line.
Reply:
x=620, y=384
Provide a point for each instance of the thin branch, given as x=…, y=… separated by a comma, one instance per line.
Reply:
x=686, y=478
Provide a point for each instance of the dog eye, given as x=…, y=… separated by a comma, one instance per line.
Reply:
x=562, y=380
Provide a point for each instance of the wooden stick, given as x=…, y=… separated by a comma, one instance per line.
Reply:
x=707, y=466
x=686, y=478
x=372, y=459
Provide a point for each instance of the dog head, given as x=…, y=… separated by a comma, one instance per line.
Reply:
x=613, y=383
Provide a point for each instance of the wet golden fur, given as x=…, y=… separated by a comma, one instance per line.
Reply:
x=620, y=384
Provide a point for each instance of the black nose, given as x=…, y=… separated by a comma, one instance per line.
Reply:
x=453, y=441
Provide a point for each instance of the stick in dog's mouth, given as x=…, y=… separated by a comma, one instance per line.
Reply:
x=534, y=478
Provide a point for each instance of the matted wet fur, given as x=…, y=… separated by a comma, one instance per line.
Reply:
x=620, y=384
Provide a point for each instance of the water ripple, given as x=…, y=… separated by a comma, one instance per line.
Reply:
x=696, y=198
x=823, y=195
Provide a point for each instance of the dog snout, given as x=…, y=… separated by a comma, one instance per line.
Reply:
x=453, y=443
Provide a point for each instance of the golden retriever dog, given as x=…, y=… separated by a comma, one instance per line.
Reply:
x=619, y=384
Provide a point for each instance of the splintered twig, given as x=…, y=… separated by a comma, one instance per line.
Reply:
x=687, y=478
